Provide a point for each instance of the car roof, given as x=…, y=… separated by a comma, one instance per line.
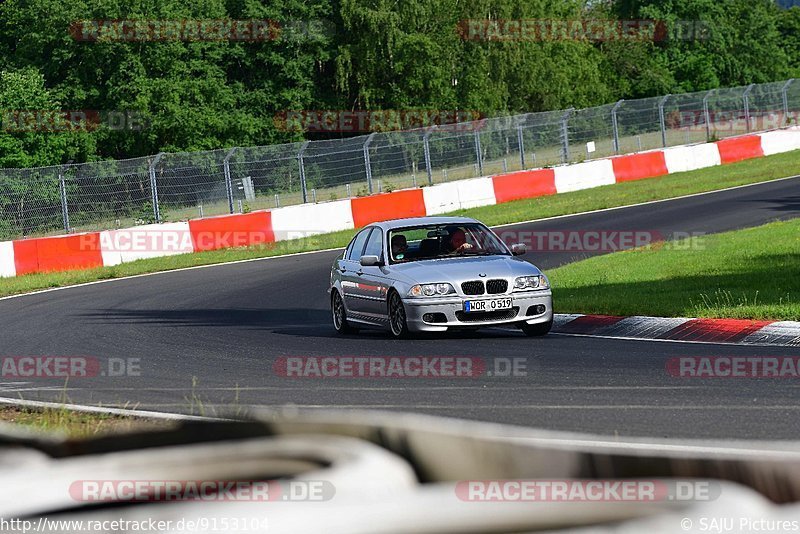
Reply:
x=421, y=221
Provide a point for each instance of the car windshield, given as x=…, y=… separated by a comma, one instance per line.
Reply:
x=428, y=242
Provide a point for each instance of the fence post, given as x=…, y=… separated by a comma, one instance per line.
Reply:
x=614, y=125
x=746, y=99
x=154, y=186
x=785, y=98
x=226, y=167
x=707, y=115
x=478, y=151
x=565, y=135
x=62, y=187
x=661, y=120
x=521, y=145
x=367, y=163
x=302, y=165
x=426, y=145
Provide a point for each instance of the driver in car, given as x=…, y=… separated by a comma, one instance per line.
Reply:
x=458, y=241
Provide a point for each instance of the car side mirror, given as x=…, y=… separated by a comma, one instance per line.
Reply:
x=518, y=249
x=370, y=261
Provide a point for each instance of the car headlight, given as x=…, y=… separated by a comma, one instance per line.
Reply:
x=524, y=283
x=431, y=290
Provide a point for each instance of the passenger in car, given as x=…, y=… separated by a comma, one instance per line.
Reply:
x=399, y=246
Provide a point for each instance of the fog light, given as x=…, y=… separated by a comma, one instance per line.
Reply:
x=434, y=318
x=537, y=309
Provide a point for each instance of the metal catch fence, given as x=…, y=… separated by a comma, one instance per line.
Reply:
x=172, y=187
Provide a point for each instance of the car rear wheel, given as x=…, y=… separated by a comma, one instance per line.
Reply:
x=339, y=314
x=535, y=330
x=397, y=316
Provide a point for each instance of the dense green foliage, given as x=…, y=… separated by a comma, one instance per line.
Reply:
x=354, y=54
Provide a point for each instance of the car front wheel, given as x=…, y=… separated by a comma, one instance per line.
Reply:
x=339, y=314
x=397, y=316
x=535, y=330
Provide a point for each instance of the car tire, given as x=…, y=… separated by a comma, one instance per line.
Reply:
x=536, y=330
x=398, y=322
x=339, y=315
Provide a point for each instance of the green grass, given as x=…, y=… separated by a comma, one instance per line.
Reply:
x=746, y=274
x=76, y=424
x=751, y=171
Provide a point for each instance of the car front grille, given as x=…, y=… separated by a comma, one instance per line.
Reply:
x=473, y=287
x=496, y=286
x=498, y=315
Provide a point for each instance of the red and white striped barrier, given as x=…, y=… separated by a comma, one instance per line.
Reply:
x=108, y=248
x=142, y=242
x=461, y=194
x=7, y=267
x=692, y=157
x=304, y=220
x=524, y=184
x=59, y=253
x=779, y=141
x=584, y=175
x=726, y=331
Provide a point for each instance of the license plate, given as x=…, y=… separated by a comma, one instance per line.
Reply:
x=487, y=305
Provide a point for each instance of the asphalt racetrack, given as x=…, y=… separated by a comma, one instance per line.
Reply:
x=205, y=340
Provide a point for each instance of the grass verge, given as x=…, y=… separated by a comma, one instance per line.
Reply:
x=77, y=424
x=714, y=178
x=745, y=274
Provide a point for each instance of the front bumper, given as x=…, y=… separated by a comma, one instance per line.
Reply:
x=452, y=310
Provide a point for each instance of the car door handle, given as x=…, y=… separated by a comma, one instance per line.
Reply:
x=359, y=272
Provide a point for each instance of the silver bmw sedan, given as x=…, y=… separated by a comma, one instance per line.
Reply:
x=432, y=274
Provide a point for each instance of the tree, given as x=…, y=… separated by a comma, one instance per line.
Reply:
x=715, y=44
x=34, y=132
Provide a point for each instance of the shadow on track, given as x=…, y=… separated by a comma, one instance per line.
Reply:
x=292, y=321
x=215, y=317
x=786, y=204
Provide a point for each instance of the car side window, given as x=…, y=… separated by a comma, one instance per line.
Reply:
x=357, y=246
x=375, y=244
